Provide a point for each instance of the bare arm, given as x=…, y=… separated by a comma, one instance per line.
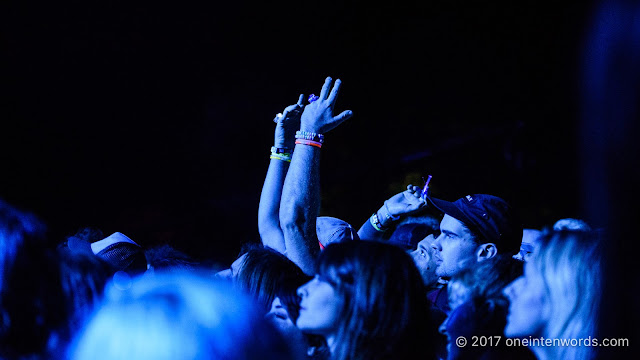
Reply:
x=300, y=206
x=301, y=193
x=269, y=208
x=402, y=204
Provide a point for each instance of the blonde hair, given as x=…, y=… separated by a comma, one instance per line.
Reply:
x=571, y=265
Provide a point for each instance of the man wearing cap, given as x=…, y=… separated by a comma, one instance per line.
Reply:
x=474, y=228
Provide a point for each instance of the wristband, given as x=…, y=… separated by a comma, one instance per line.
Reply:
x=375, y=222
x=306, y=135
x=283, y=157
x=309, y=142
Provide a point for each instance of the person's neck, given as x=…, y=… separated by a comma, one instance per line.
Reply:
x=331, y=342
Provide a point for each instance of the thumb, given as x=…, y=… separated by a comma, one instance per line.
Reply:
x=342, y=117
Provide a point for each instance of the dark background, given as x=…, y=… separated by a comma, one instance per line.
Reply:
x=155, y=118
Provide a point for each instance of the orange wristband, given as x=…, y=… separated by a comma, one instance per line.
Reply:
x=309, y=142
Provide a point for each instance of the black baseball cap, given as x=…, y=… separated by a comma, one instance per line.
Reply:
x=488, y=216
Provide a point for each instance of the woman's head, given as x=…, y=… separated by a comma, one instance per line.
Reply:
x=559, y=294
x=264, y=273
x=369, y=296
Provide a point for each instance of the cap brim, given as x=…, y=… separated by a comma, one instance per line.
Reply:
x=116, y=237
x=451, y=209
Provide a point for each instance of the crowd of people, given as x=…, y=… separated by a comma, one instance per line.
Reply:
x=417, y=276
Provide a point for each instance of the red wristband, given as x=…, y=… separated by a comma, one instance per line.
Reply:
x=309, y=142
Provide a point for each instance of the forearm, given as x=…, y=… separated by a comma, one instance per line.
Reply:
x=269, y=208
x=299, y=207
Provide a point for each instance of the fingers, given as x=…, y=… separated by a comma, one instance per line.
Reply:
x=325, y=88
x=412, y=189
x=412, y=192
x=289, y=109
x=293, y=110
x=334, y=92
x=342, y=117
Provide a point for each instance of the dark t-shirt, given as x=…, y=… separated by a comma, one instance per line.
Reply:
x=440, y=299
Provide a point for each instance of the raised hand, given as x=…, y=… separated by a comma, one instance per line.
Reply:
x=318, y=116
x=406, y=202
x=287, y=124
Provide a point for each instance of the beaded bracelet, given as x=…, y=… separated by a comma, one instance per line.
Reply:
x=283, y=157
x=375, y=222
x=310, y=136
x=309, y=142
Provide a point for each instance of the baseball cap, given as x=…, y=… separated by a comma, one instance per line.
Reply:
x=121, y=252
x=488, y=216
x=330, y=230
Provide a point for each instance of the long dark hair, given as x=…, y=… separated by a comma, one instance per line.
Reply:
x=385, y=313
x=265, y=273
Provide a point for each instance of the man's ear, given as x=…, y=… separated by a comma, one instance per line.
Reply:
x=486, y=251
